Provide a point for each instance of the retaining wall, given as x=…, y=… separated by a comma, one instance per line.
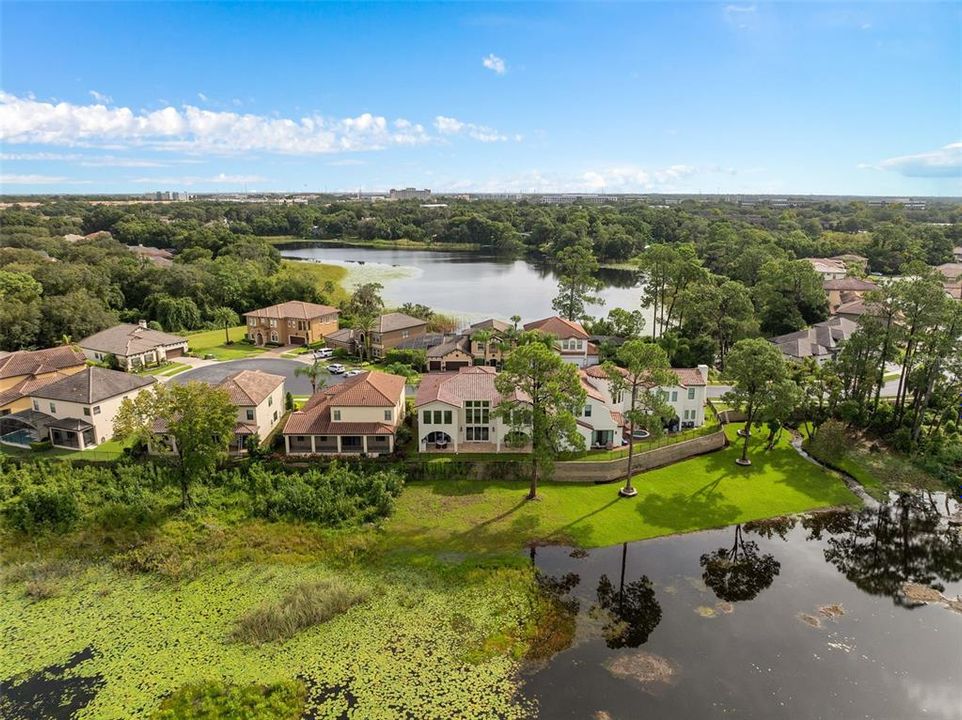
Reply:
x=600, y=472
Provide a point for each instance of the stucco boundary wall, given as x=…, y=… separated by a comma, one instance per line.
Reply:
x=611, y=470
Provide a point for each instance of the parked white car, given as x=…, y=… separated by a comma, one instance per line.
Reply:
x=323, y=353
x=352, y=373
x=335, y=368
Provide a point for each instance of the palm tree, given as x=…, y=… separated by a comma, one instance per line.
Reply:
x=483, y=338
x=228, y=318
x=315, y=372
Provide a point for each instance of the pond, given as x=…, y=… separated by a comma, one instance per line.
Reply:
x=794, y=618
x=470, y=286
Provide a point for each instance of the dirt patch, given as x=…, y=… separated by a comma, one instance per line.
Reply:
x=810, y=620
x=832, y=612
x=647, y=669
x=705, y=611
x=921, y=593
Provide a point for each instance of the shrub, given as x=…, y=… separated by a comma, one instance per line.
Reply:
x=415, y=358
x=39, y=508
x=830, y=441
x=218, y=701
x=308, y=604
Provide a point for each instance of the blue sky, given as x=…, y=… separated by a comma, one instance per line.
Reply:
x=640, y=97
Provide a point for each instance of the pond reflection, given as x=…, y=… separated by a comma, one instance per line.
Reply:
x=787, y=618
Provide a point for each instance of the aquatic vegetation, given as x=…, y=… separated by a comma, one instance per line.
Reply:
x=306, y=605
x=396, y=657
x=833, y=611
x=811, y=620
x=645, y=668
x=218, y=701
x=705, y=611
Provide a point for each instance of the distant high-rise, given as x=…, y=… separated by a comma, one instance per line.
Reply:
x=410, y=193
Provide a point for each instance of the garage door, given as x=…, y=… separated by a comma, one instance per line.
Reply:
x=175, y=353
x=295, y=340
x=434, y=365
x=454, y=365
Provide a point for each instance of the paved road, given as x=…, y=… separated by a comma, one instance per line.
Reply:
x=889, y=389
x=214, y=373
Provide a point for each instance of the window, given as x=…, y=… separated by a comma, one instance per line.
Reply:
x=87, y=411
x=252, y=322
x=53, y=407
x=380, y=439
x=437, y=417
x=587, y=410
x=447, y=417
x=290, y=323
x=674, y=396
x=426, y=417
x=36, y=405
x=96, y=409
x=388, y=415
x=273, y=336
x=250, y=414
x=336, y=414
x=476, y=434
x=664, y=395
x=270, y=400
x=275, y=416
x=476, y=412
x=405, y=333
x=273, y=323
x=691, y=393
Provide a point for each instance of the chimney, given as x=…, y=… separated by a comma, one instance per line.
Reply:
x=142, y=323
x=703, y=369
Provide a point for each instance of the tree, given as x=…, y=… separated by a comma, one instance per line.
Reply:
x=667, y=270
x=20, y=316
x=198, y=417
x=315, y=372
x=576, y=267
x=626, y=324
x=227, y=318
x=721, y=310
x=789, y=296
x=757, y=369
x=365, y=308
x=541, y=397
x=642, y=371
x=77, y=314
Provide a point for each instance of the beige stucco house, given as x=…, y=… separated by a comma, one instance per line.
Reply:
x=75, y=412
x=259, y=397
x=24, y=371
x=571, y=340
x=134, y=346
x=358, y=416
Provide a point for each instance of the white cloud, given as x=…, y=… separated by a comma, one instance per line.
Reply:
x=739, y=9
x=494, y=63
x=202, y=97
x=101, y=98
x=617, y=179
x=33, y=156
x=188, y=180
x=24, y=120
x=39, y=180
x=944, y=162
x=481, y=133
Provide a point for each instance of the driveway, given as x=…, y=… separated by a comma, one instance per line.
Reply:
x=294, y=384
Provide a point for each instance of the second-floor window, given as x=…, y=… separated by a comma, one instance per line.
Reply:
x=388, y=415
x=476, y=412
x=250, y=414
x=336, y=414
x=587, y=410
x=691, y=393
x=674, y=396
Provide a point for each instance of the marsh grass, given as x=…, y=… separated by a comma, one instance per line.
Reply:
x=216, y=701
x=306, y=605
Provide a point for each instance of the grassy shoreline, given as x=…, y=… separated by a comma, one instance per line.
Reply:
x=377, y=243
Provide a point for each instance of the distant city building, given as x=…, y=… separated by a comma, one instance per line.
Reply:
x=167, y=195
x=410, y=193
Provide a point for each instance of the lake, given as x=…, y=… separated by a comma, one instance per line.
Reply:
x=796, y=618
x=470, y=286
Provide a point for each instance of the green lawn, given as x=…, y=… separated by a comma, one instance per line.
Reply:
x=110, y=451
x=704, y=492
x=166, y=370
x=211, y=342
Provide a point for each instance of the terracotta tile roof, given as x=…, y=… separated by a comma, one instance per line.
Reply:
x=686, y=376
x=38, y=362
x=491, y=324
x=397, y=321
x=250, y=387
x=92, y=385
x=950, y=271
x=590, y=389
x=460, y=342
x=23, y=389
x=453, y=388
x=296, y=309
x=127, y=339
x=371, y=389
x=559, y=327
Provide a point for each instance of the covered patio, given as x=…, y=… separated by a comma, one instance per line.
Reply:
x=339, y=444
x=23, y=428
x=72, y=434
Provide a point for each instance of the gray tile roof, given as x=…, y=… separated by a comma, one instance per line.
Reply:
x=93, y=385
x=127, y=339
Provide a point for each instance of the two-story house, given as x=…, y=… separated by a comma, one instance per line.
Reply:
x=687, y=398
x=259, y=397
x=133, y=346
x=77, y=411
x=291, y=323
x=455, y=412
x=390, y=330
x=846, y=290
x=24, y=371
x=358, y=416
x=571, y=340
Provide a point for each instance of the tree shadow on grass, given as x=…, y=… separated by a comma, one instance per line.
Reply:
x=705, y=508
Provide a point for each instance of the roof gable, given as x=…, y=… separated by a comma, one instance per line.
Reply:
x=294, y=309
x=559, y=327
x=38, y=362
x=250, y=387
x=93, y=385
